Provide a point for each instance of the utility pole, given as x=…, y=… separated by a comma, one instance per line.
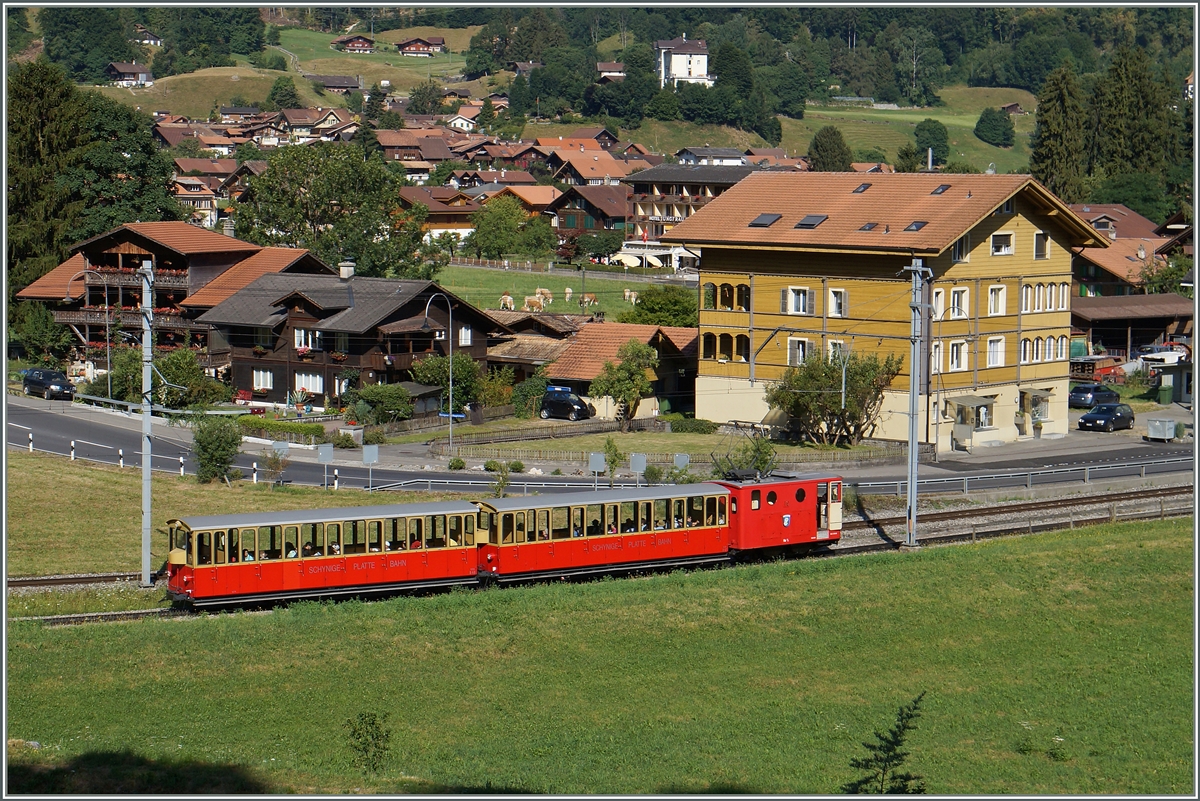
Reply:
x=919, y=273
x=147, y=274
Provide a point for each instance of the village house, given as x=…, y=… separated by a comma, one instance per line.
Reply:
x=235, y=184
x=533, y=199
x=354, y=43
x=668, y=194
x=298, y=334
x=712, y=156
x=610, y=71
x=588, y=168
x=465, y=179
x=450, y=211
x=238, y=114
x=129, y=74
x=589, y=210
x=600, y=135
x=799, y=263
x=531, y=339
x=421, y=47
x=195, y=194
x=679, y=60
x=338, y=84
x=143, y=35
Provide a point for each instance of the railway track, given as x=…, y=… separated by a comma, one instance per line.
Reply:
x=859, y=537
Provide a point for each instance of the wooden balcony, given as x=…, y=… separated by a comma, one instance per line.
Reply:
x=163, y=279
x=126, y=318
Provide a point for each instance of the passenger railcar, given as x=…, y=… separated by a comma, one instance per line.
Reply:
x=270, y=556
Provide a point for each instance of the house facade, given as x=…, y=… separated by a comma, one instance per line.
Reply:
x=419, y=47
x=797, y=264
x=668, y=194
x=682, y=61
x=354, y=43
x=287, y=334
x=129, y=74
x=589, y=210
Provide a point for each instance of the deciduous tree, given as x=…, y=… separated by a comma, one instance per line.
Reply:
x=435, y=371
x=932, y=134
x=217, y=440
x=811, y=395
x=498, y=227
x=995, y=127
x=626, y=381
x=664, y=305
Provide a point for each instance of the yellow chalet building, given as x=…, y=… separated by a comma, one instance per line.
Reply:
x=797, y=263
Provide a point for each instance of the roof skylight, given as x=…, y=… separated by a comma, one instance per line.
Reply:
x=869, y=227
x=861, y=188
x=812, y=220
x=764, y=220
x=916, y=225
x=940, y=190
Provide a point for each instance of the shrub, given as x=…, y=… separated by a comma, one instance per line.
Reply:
x=216, y=441
x=516, y=466
x=492, y=466
x=457, y=464
x=256, y=425
x=527, y=395
x=375, y=436
x=341, y=439
x=556, y=472
x=654, y=474
x=369, y=739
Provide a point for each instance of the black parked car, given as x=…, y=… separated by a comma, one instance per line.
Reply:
x=562, y=402
x=48, y=383
x=1107, y=417
x=1085, y=396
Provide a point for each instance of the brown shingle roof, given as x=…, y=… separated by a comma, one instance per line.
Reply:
x=245, y=272
x=528, y=348
x=220, y=167
x=893, y=202
x=1124, y=220
x=1121, y=257
x=536, y=197
x=181, y=237
x=54, y=284
x=597, y=343
x=1132, y=307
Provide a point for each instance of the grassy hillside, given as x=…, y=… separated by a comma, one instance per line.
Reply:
x=1058, y=664
x=197, y=93
x=317, y=57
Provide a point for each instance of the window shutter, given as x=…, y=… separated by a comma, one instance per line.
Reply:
x=299, y=337
x=783, y=301
x=846, y=303
x=810, y=301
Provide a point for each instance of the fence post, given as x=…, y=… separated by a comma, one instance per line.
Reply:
x=335, y=478
x=1087, y=475
x=965, y=485
x=1143, y=471
x=1162, y=509
x=31, y=442
x=254, y=472
x=72, y=450
x=1029, y=481
x=181, y=465
x=120, y=455
x=1113, y=514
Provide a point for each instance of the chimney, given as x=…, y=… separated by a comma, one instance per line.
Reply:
x=1112, y=234
x=346, y=270
x=1141, y=251
x=227, y=226
x=929, y=159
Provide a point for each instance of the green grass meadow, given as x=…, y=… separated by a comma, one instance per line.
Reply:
x=1055, y=664
x=483, y=287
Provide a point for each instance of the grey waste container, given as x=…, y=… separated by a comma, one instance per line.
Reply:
x=1160, y=429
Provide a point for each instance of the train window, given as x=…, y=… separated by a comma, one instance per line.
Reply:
x=628, y=514
x=677, y=513
x=291, y=535
x=470, y=530
x=312, y=540
x=576, y=521
x=755, y=498
x=435, y=531
x=186, y=544
x=733, y=506
x=612, y=519
x=595, y=527
x=710, y=511
x=416, y=531
x=506, y=528
x=454, y=530
x=519, y=530
x=233, y=545
x=543, y=524
x=203, y=548
x=771, y=498
x=835, y=492
x=695, y=511
x=560, y=522
x=249, y=550
x=354, y=537
x=269, y=544
x=219, y=542
x=721, y=510
x=395, y=539
x=374, y=536
x=333, y=536
x=661, y=512
x=645, y=516
x=800, y=495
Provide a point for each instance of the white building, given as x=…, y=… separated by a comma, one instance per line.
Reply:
x=680, y=60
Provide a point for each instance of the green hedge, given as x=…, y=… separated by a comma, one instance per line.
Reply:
x=689, y=425
x=255, y=426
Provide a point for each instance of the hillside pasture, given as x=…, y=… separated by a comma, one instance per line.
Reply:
x=483, y=288
x=196, y=94
x=318, y=58
x=1058, y=664
x=457, y=39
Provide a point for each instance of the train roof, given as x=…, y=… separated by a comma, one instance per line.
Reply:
x=603, y=496
x=300, y=516
x=780, y=476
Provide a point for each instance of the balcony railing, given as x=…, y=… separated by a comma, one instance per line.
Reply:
x=127, y=276
x=127, y=319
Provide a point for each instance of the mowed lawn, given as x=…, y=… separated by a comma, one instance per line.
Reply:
x=483, y=287
x=1055, y=664
x=91, y=519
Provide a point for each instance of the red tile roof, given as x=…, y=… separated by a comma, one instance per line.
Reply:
x=245, y=272
x=54, y=284
x=597, y=343
x=1124, y=220
x=181, y=237
x=1125, y=257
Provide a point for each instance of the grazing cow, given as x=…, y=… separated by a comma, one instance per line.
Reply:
x=588, y=299
x=567, y=294
x=506, y=302
x=632, y=298
x=627, y=294
x=533, y=303
x=545, y=295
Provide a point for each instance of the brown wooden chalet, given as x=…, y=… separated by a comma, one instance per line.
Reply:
x=131, y=73
x=590, y=209
x=421, y=47
x=299, y=333
x=449, y=209
x=398, y=145
x=354, y=43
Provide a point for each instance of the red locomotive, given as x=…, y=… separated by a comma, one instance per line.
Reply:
x=270, y=556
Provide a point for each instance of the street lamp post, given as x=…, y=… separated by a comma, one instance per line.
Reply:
x=450, y=349
x=147, y=273
x=107, y=320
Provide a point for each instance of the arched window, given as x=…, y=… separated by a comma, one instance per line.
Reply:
x=725, y=349
x=1064, y=296
x=743, y=348
x=1026, y=351
x=725, y=298
x=1039, y=297
x=708, y=296
x=1037, y=349
x=1051, y=291
x=708, y=346
x=1062, y=348
x=1026, y=298
x=743, y=298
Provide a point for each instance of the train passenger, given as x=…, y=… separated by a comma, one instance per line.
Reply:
x=612, y=527
x=247, y=555
x=415, y=544
x=628, y=527
x=307, y=550
x=334, y=549
x=291, y=550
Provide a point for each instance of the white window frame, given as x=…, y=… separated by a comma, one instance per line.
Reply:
x=1039, y=298
x=1063, y=348
x=439, y=334
x=958, y=347
x=804, y=344
x=995, y=352
x=935, y=358
x=997, y=300
x=1010, y=249
x=1026, y=298
x=309, y=338
x=959, y=310
x=1064, y=296
x=1026, y=351
x=799, y=295
x=464, y=336
x=836, y=346
x=939, y=304
x=1044, y=238
x=960, y=251
x=1051, y=292
x=834, y=303
x=262, y=379
x=313, y=383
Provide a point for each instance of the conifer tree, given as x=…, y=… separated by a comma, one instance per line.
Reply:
x=1058, y=153
x=828, y=151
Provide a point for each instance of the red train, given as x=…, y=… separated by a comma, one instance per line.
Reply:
x=270, y=556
